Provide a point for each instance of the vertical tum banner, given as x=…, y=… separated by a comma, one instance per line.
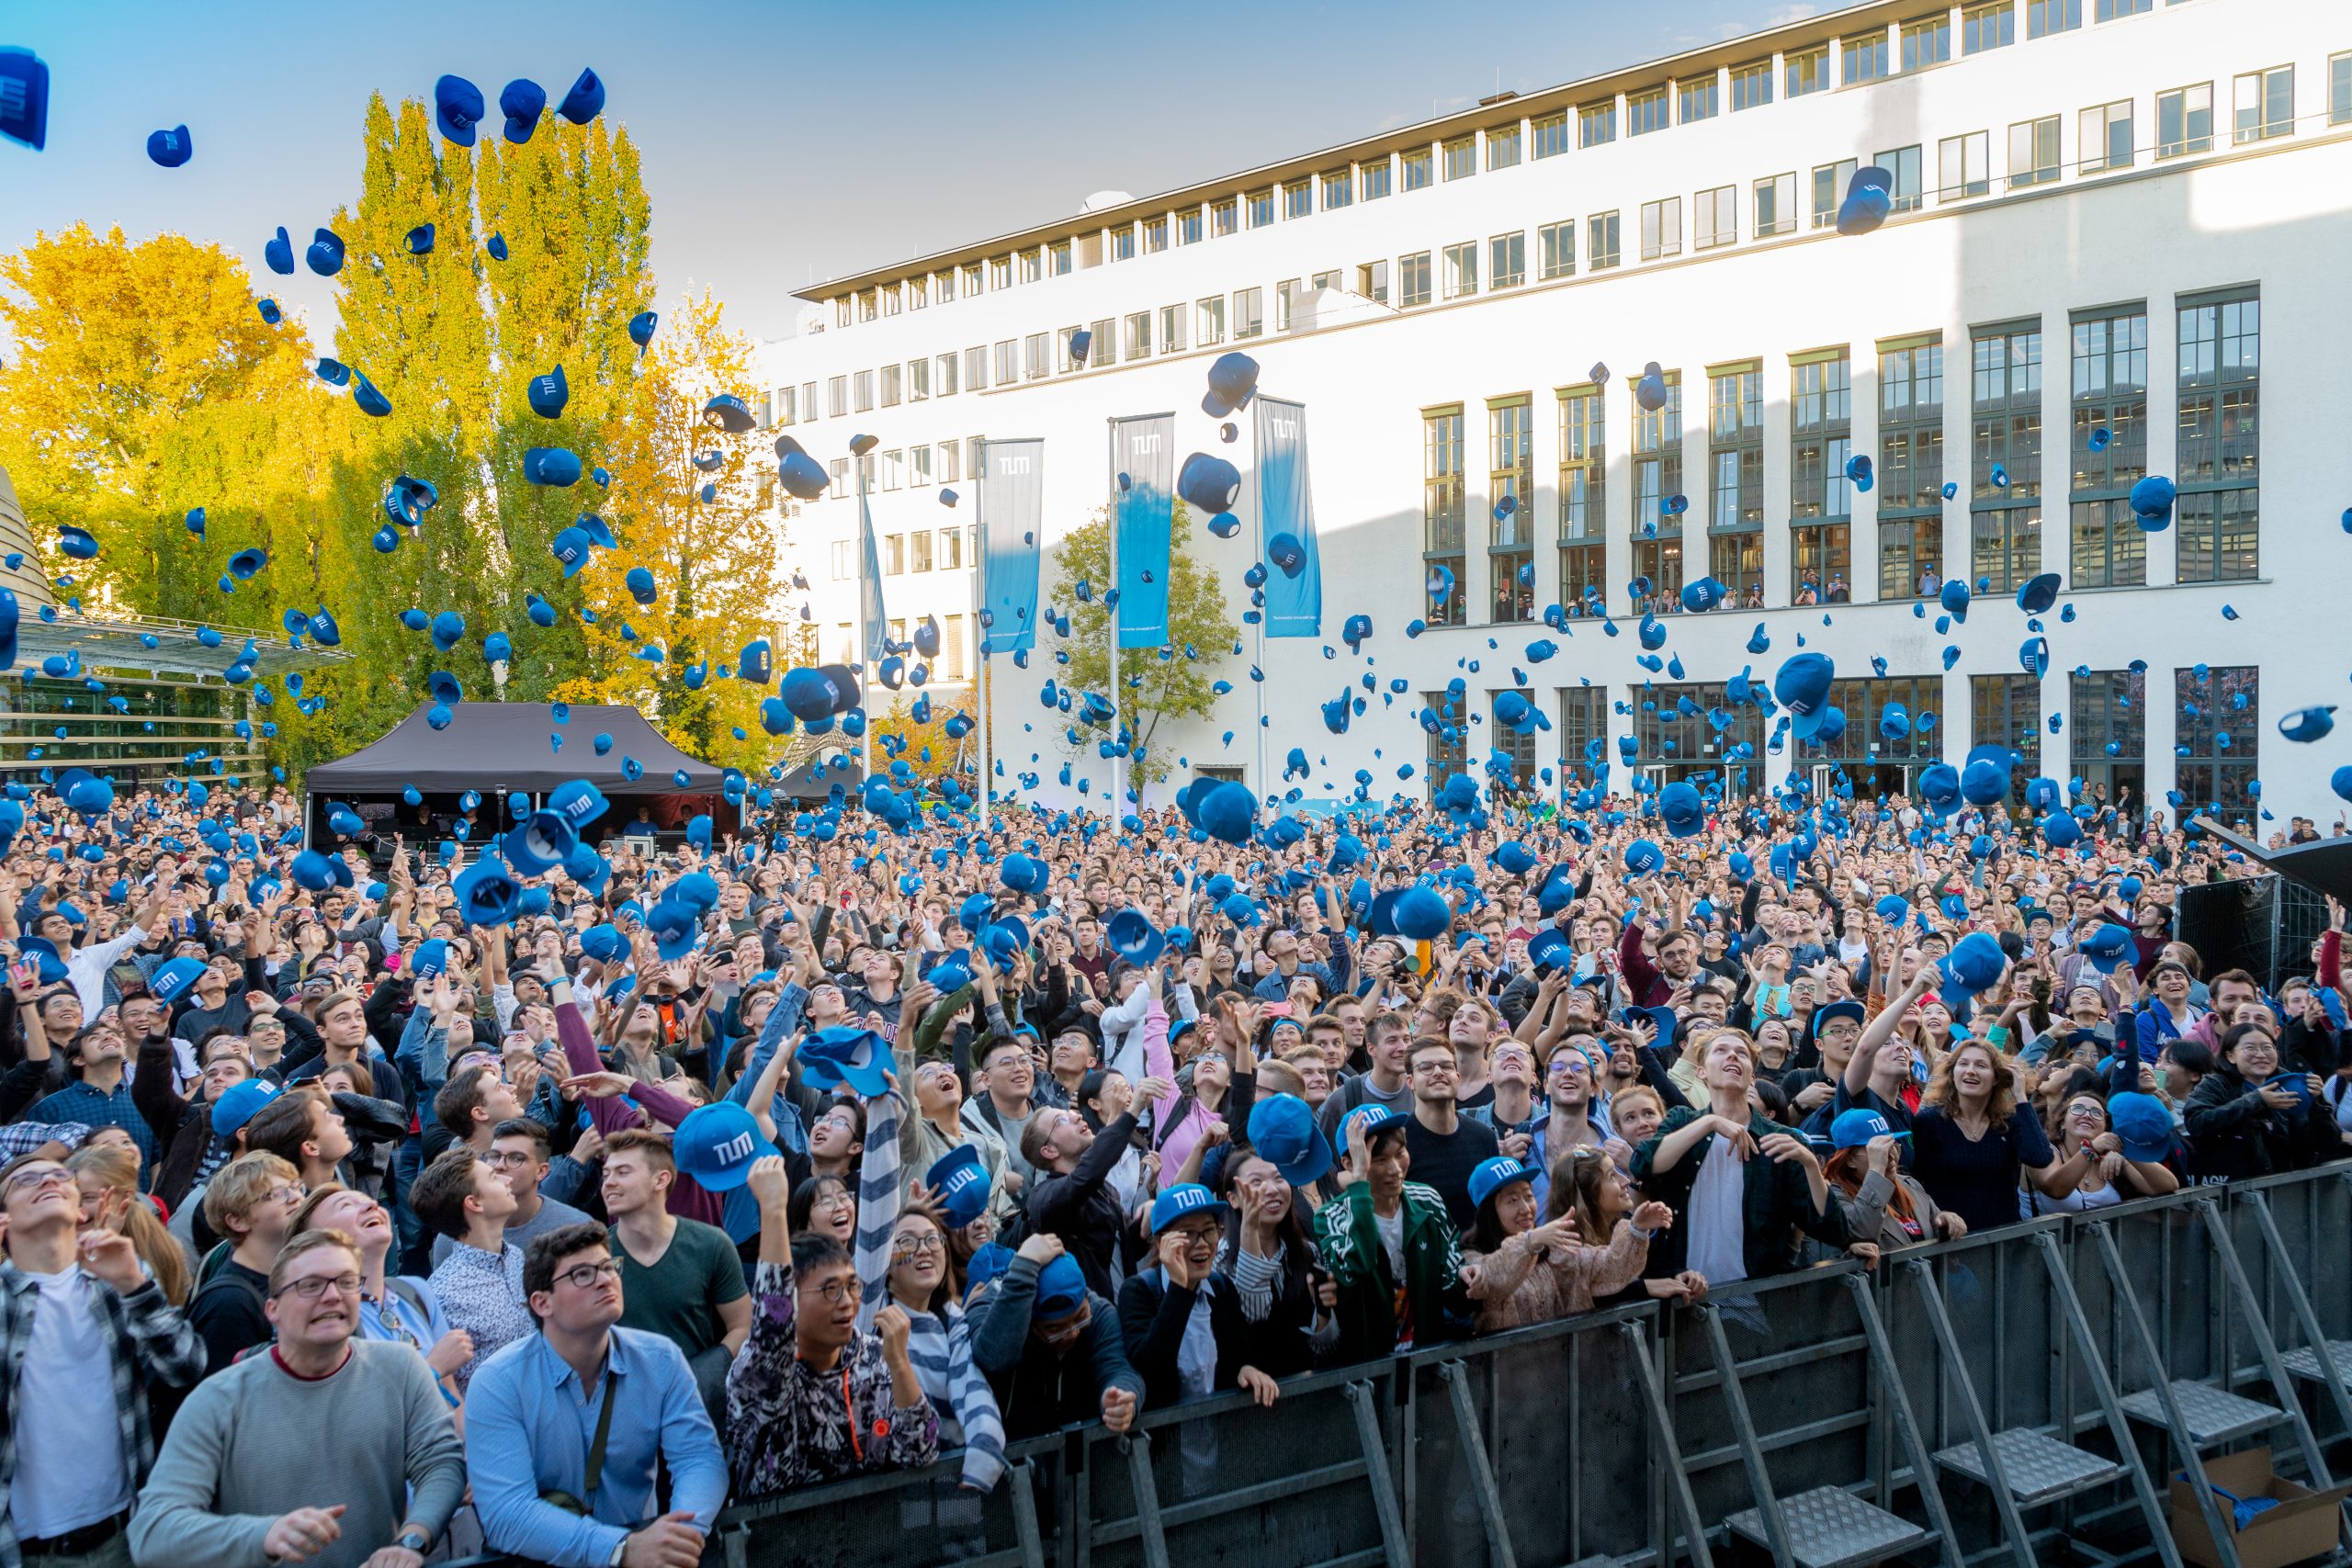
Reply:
x=1143, y=514
x=875, y=619
x=1012, y=507
x=1286, y=522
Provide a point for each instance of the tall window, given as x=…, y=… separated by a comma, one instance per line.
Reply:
x=1413, y=278
x=2043, y=18
x=1861, y=748
x=1123, y=242
x=918, y=380
x=1829, y=183
x=1138, y=336
x=2218, y=739
x=1103, y=352
x=893, y=386
x=1751, y=85
x=1963, y=166
x=2265, y=104
x=1988, y=27
x=1298, y=198
x=1699, y=99
x=2107, y=447
x=1645, y=112
x=1584, y=458
x=1910, y=467
x=1374, y=178
x=863, y=383
x=1584, y=718
x=1821, y=504
x=1502, y=147
x=1249, y=312
x=1461, y=158
x=1442, y=511
x=1776, y=206
x=2033, y=151
x=2185, y=120
x=2339, y=89
x=1171, y=329
x=1662, y=228
x=1419, y=166
x=972, y=280
x=1519, y=748
x=1926, y=42
x=1511, y=476
x=976, y=368
x=1287, y=294
x=1000, y=272
x=1031, y=266
x=2006, y=518
x=1597, y=123
x=1865, y=56
x=1714, y=217
x=1447, y=752
x=2216, y=516
x=1008, y=362
x=1261, y=204
x=1188, y=229
x=1735, y=486
x=1339, y=189
x=1668, y=727
x=919, y=466
x=1371, y=280
x=837, y=396
x=1209, y=320
x=1555, y=249
x=2107, y=732
x=1600, y=240
x=1461, y=269
x=2006, y=711
x=1507, y=259
x=1806, y=72
x=1903, y=162
x=1551, y=134
x=2106, y=137
x=1658, y=476
x=1225, y=217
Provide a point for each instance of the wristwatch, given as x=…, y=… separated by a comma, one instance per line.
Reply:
x=413, y=1540
x=620, y=1548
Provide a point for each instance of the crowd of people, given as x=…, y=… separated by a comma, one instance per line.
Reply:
x=398, y=1204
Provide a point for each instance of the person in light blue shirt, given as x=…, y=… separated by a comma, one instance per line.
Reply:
x=535, y=1410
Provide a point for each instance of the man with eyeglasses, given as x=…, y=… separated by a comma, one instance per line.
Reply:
x=565, y=1428
x=1445, y=1147
x=87, y=1332
x=251, y=1202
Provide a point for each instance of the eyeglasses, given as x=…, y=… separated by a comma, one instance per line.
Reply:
x=844, y=1289
x=503, y=1158
x=581, y=1276
x=913, y=1245
x=290, y=1193
x=311, y=1288
x=1437, y=1069
x=26, y=1182
x=835, y=1200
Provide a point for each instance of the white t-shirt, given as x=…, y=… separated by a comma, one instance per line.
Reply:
x=70, y=1470
x=1718, y=1220
x=1391, y=1241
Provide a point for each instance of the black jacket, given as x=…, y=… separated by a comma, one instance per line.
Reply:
x=1036, y=1390
x=1283, y=1342
x=2231, y=1132
x=1152, y=1317
x=1081, y=1208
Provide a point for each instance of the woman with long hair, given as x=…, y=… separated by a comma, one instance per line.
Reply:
x=1883, y=1202
x=1269, y=1254
x=1973, y=1140
x=108, y=1178
x=1590, y=1188
x=1634, y=1113
x=2084, y=1125
x=2248, y=1117
x=918, y=1274
x=1519, y=1271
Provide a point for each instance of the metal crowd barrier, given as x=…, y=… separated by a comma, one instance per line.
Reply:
x=2016, y=1396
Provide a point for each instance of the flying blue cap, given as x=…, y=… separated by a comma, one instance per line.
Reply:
x=1020, y=874
x=571, y=548
x=585, y=101
x=1684, y=811
x=1185, y=1198
x=522, y=103
x=962, y=1182
x=552, y=466
x=1133, y=938
x=432, y=958
x=1232, y=380
x=1869, y=197
x=2038, y=593
x=1282, y=1132
x=457, y=108
x=548, y=393
x=728, y=412
x=2109, y=948
x=640, y=329
x=841, y=1054
x=1208, y=482
x=324, y=255
x=173, y=977
x=170, y=147
x=716, y=1144
x=24, y=98
x=1802, y=685
x=1492, y=1176
x=1971, y=967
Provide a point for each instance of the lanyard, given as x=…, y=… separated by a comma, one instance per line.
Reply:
x=856, y=1449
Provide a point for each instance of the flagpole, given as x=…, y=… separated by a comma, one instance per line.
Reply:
x=864, y=559
x=1118, y=699
x=1258, y=466
x=979, y=631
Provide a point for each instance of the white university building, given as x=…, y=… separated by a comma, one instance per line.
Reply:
x=2117, y=216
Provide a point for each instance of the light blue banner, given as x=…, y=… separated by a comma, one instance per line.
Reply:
x=1143, y=515
x=869, y=579
x=1286, y=506
x=1013, y=508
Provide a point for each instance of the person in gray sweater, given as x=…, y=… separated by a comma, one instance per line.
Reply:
x=239, y=1480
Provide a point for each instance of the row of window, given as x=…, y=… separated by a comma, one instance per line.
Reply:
x=2263, y=106
x=1999, y=485
x=955, y=643
x=910, y=553
x=2216, y=749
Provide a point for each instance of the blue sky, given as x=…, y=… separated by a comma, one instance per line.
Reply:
x=781, y=144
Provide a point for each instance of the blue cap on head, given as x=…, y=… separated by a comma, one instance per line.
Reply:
x=1492, y=1176
x=239, y=1103
x=1854, y=1128
x=1185, y=1198
x=1061, y=1287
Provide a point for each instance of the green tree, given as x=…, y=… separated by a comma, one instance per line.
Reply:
x=1170, y=682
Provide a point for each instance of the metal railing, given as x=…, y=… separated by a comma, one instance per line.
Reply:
x=1996, y=1399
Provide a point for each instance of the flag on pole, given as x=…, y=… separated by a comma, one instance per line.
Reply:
x=869, y=579
x=1286, y=522
x=1144, y=515
x=1013, y=505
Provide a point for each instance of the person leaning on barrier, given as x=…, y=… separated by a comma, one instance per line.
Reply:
x=1395, y=1259
x=1883, y=1202
x=1182, y=1319
x=2249, y=1119
x=1520, y=1271
x=1050, y=1346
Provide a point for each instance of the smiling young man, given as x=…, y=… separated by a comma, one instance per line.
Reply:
x=480, y=1284
x=682, y=1278
x=251, y=1203
x=242, y=1479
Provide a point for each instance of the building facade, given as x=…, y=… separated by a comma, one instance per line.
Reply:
x=2109, y=257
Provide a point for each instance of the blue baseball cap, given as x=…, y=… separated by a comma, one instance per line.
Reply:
x=962, y=1182
x=172, y=978
x=1854, y=1128
x=1184, y=1197
x=1282, y=1132
x=238, y=1104
x=2144, y=1123
x=1373, y=1118
x=716, y=1144
x=1061, y=1287
x=1492, y=1176
x=839, y=1055
x=432, y=958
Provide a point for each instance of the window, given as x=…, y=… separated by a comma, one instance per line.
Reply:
x=971, y=280
x=1516, y=746
x=1038, y=356
x=1666, y=725
x=1138, y=336
x=1171, y=329
x=1751, y=85
x=1507, y=260
x=1441, y=510
x=1551, y=132
x=1249, y=312
x=1715, y=219
x=836, y=396
x=1031, y=266
x=1776, y=206
x=1209, y=320
x=2265, y=104
x=1865, y=55
x=1413, y=278
x=2110, y=10
x=1861, y=748
x=1419, y=167
x=918, y=380
x=894, y=554
x=1583, y=459
x=1502, y=147
x=948, y=465
x=2339, y=88
x=1829, y=182
x=1339, y=189
x=1376, y=179
x=893, y=301
x=1155, y=235
x=919, y=466
x=1596, y=124
x=2006, y=711
x=838, y=470
x=1662, y=228
x=1511, y=475
x=1736, y=491
x=1447, y=752
x=2185, y=120
x=893, y=387
x=784, y=405
x=1123, y=243
x=868, y=306
x=1188, y=227
x=2108, y=729
x=1000, y=272
x=2108, y=448
x=840, y=311
x=1008, y=362
x=1371, y=281
x=1821, y=427
x=2033, y=151
x=2005, y=436
x=1645, y=112
x=1298, y=199
x=2043, y=18
x=1657, y=478
x=976, y=368
x=1225, y=217
x=1285, y=295
x=1699, y=100
x=1461, y=270
x=2217, y=465
x=1926, y=42
x=1903, y=162
x=1988, y=27
x=1556, y=249
x=1910, y=467
x=1462, y=158
x=861, y=383
x=1600, y=240
x=2217, y=735
x=845, y=560
x=1961, y=166
x=1584, y=720
x=1805, y=73
x=1261, y=208
x=2106, y=137
x=951, y=540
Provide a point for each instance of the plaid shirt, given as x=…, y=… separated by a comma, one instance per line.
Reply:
x=150, y=1342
